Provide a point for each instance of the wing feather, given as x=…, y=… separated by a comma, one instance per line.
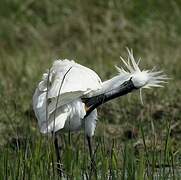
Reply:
x=62, y=89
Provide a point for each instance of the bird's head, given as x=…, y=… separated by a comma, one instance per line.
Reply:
x=141, y=79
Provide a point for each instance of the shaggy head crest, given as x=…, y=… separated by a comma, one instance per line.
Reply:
x=141, y=79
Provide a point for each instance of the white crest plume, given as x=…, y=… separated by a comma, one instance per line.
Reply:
x=141, y=79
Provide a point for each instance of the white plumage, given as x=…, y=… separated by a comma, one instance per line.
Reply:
x=57, y=100
x=79, y=81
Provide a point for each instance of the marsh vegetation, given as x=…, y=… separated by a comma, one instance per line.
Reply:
x=132, y=141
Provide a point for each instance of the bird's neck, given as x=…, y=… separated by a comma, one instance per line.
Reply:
x=111, y=84
x=109, y=94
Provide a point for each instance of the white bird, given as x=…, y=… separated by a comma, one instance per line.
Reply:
x=69, y=93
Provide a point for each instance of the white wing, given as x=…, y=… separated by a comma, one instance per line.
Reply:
x=63, y=88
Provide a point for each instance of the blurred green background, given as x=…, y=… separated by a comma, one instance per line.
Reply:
x=94, y=33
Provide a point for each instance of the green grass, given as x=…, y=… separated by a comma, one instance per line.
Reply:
x=131, y=141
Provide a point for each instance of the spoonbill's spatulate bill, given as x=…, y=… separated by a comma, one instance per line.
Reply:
x=69, y=93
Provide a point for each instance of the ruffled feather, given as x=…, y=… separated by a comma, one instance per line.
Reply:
x=141, y=79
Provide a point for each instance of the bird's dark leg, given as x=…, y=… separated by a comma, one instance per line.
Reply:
x=93, y=164
x=90, y=146
x=57, y=150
